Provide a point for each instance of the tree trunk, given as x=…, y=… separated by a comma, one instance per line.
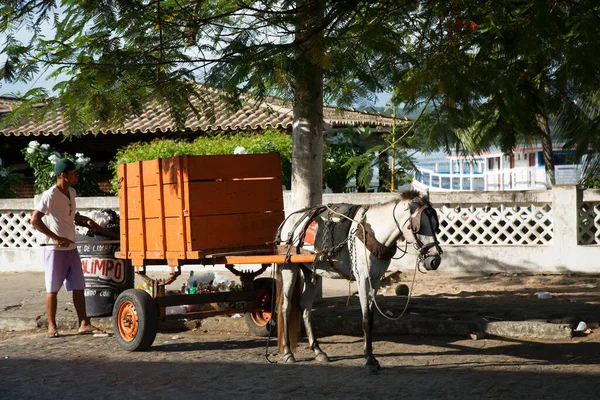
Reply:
x=307, y=131
x=544, y=130
x=386, y=175
x=360, y=188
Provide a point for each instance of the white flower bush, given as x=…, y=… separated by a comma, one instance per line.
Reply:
x=81, y=161
x=42, y=157
x=32, y=147
x=240, y=150
x=53, y=158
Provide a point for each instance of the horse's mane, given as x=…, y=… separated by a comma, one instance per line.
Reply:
x=410, y=194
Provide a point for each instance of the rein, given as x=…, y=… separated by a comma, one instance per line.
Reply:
x=410, y=291
x=414, y=221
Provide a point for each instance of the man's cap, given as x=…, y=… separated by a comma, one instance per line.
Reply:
x=63, y=165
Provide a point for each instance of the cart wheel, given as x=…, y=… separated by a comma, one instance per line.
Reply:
x=135, y=320
x=262, y=321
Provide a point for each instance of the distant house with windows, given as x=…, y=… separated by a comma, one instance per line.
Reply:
x=493, y=170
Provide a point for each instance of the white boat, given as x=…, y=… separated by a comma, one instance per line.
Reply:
x=493, y=170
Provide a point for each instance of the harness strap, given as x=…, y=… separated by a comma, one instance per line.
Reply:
x=348, y=277
x=374, y=246
x=309, y=215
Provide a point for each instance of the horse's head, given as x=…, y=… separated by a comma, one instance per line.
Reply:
x=420, y=229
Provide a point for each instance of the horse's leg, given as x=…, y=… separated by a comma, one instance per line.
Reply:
x=367, y=307
x=306, y=302
x=289, y=274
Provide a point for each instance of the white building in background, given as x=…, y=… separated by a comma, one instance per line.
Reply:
x=492, y=170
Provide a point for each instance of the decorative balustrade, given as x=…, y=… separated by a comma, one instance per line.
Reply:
x=15, y=217
x=588, y=223
x=497, y=222
x=15, y=229
x=546, y=230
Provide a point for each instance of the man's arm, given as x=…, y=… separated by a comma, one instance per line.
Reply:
x=94, y=227
x=82, y=219
x=38, y=224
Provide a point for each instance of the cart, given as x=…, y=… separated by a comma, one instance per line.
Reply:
x=202, y=210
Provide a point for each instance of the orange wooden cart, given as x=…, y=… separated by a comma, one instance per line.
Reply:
x=209, y=210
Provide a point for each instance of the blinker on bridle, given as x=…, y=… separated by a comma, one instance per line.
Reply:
x=421, y=210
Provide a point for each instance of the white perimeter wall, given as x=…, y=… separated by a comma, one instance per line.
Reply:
x=529, y=231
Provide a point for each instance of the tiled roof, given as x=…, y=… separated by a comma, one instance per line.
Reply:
x=272, y=114
x=6, y=104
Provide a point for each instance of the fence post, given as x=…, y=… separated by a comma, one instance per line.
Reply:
x=565, y=205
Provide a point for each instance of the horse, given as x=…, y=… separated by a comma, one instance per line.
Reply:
x=355, y=242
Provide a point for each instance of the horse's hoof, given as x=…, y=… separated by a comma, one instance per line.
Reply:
x=322, y=358
x=373, y=366
x=372, y=369
x=289, y=359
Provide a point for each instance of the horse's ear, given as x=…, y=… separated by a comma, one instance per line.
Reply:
x=426, y=196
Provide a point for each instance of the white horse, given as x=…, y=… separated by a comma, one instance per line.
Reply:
x=361, y=251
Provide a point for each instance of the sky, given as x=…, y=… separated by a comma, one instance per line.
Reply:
x=43, y=80
x=40, y=81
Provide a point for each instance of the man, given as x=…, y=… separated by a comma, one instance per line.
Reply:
x=61, y=259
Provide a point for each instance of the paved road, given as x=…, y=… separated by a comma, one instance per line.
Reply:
x=196, y=364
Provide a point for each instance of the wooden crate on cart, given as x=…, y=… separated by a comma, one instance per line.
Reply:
x=210, y=210
x=189, y=207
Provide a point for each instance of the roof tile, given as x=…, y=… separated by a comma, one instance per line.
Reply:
x=274, y=113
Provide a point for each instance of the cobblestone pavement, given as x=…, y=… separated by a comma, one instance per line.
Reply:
x=195, y=364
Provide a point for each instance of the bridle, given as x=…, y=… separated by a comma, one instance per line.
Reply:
x=414, y=225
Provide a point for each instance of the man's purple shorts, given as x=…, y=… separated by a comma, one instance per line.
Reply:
x=63, y=266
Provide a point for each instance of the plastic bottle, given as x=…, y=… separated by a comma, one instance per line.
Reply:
x=194, y=288
x=202, y=279
x=190, y=282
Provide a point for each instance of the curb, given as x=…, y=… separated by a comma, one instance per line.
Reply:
x=528, y=329
x=19, y=323
x=325, y=325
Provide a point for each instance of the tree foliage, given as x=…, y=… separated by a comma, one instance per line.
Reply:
x=496, y=73
x=118, y=55
x=10, y=181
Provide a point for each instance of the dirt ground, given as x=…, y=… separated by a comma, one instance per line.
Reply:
x=486, y=286
x=202, y=365
x=228, y=365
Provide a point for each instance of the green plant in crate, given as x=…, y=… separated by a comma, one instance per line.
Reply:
x=270, y=141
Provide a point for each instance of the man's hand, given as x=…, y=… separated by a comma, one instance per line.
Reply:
x=62, y=241
x=83, y=220
x=93, y=225
x=37, y=223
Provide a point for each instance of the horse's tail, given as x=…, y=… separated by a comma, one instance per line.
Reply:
x=295, y=318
